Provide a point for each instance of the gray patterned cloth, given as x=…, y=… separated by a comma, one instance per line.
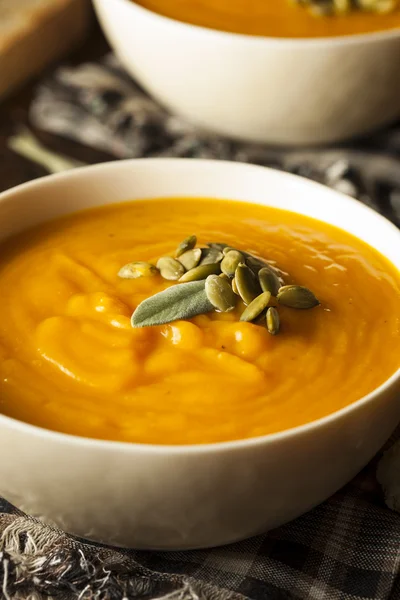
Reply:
x=348, y=548
x=98, y=105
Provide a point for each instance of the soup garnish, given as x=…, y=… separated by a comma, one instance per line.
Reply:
x=283, y=18
x=343, y=7
x=214, y=278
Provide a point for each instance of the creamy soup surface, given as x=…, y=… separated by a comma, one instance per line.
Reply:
x=271, y=18
x=70, y=361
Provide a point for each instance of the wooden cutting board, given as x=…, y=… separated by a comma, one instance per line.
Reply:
x=35, y=33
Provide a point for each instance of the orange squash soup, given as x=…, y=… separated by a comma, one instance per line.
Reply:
x=71, y=361
x=271, y=18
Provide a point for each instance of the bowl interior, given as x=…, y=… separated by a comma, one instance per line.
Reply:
x=53, y=196
x=229, y=36
x=57, y=195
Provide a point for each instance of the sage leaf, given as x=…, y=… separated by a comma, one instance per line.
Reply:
x=182, y=301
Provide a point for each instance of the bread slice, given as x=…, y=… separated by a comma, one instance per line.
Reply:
x=33, y=33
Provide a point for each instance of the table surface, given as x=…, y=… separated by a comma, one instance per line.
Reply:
x=14, y=112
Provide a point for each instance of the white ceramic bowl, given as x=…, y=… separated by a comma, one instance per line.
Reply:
x=150, y=496
x=280, y=91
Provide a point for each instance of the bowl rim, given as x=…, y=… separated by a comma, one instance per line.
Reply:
x=254, y=40
x=233, y=445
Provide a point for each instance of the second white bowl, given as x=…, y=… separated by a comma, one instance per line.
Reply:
x=280, y=91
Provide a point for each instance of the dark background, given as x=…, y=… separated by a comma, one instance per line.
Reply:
x=14, y=112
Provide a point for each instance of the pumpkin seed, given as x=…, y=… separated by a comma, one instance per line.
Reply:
x=269, y=281
x=231, y=261
x=378, y=6
x=190, y=258
x=259, y=283
x=220, y=294
x=187, y=244
x=260, y=320
x=270, y=264
x=254, y=263
x=170, y=268
x=273, y=321
x=210, y=256
x=134, y=270
x=246, y=283
x=256, y=307
x=297, y=296
x=326, y=7
x=200, y=272
x=322, y=9
x=217, y=245
x=234, y=287
x=343, y=7
x=227, y=249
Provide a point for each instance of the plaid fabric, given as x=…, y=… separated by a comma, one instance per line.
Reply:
x=348, y=548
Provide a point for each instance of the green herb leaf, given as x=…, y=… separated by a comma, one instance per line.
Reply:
x=182, y=301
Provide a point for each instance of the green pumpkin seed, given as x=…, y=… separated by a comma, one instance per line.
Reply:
x=297, y=296
x=260, y=320
x=343, y=7
x=210, y=256
x=134, y=270
x=170, y=268
x=187, y=244
x=256, y=307
x=254, y=263
x=217, y=246
x=378, y=6
x=227, y=249
x=190, y=258
x=321, y=10
x=200, y=272
x=246, y=283
x=271, y=265
x=273, y=321
x=234, y=287
x=269, y=281
x=220, y=294
x=251, y=278
x=231, y=261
